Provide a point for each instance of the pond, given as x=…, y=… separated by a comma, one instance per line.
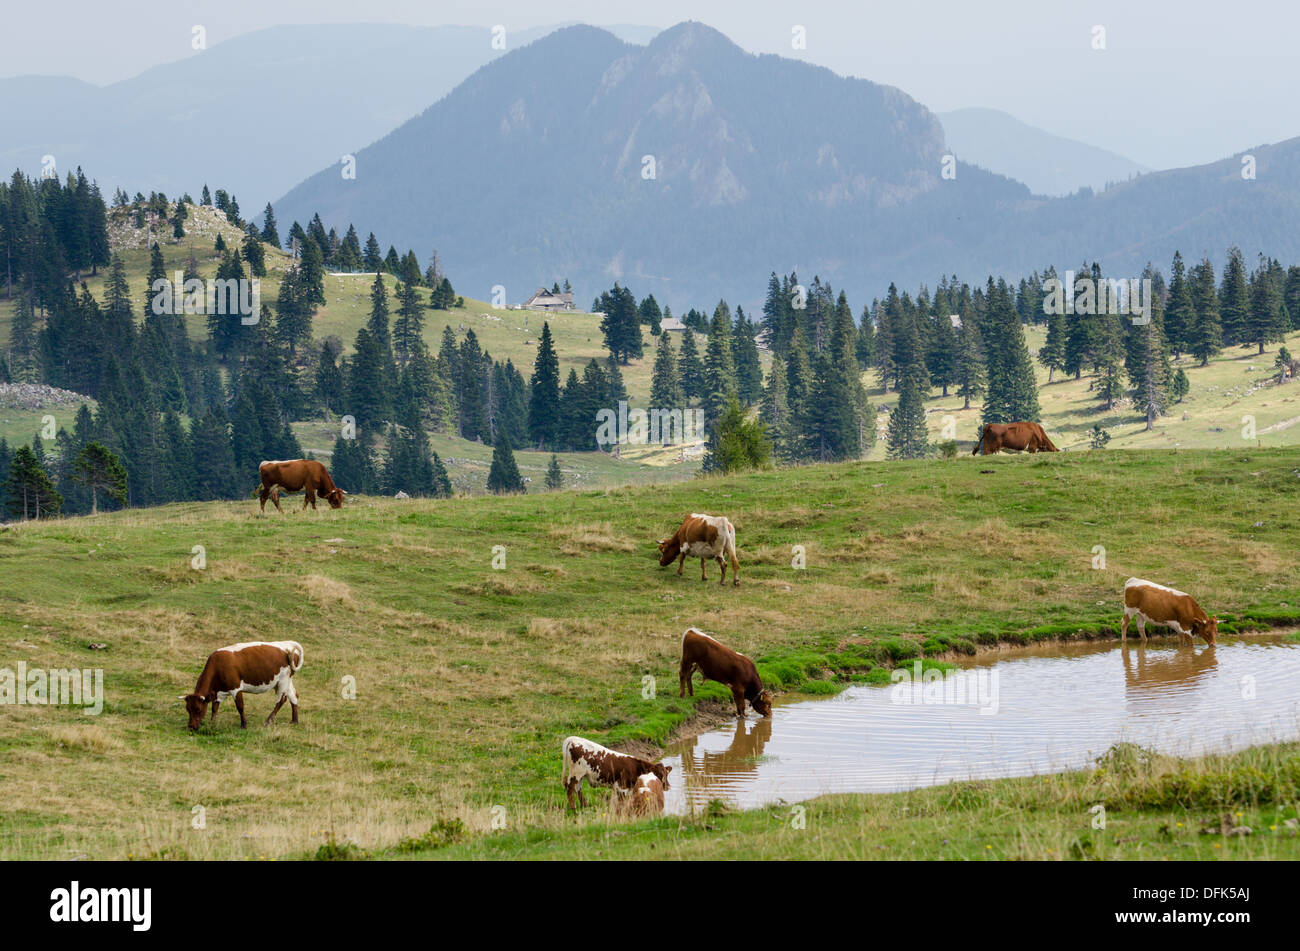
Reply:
x=1018, y=712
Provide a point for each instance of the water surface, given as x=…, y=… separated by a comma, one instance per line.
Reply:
x=1048, y=708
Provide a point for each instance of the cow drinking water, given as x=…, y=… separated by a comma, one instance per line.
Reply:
x=298, y=475
x=716, y=661
x=1154, y=603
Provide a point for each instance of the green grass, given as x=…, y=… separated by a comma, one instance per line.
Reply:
x=467, y=678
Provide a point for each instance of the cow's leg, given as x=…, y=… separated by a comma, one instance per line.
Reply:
x=275, y=497
x=739, y=696
x=292, y=694
x=1123, y=628
x=213, y=719
x=684, y=679
x=569, y=784
x=1142, y=627
x=582, y=800
x=703, y=574
x=722, y=563
x=239, y=705
x=309, y=496
x=284, y=695
x=263, y=496
x=681, y=563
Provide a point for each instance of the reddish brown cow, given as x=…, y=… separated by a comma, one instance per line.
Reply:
x=255, y=667
x=703, y=537
x=584, y=759
x=298, y=475
x=1026, y=437
x=1154, y=603
x=716, y=661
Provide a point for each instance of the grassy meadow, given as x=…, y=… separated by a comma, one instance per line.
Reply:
x=467, y=677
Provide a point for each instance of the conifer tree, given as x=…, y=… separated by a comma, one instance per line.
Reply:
x=503, y=475
x=544, y=394
x=690, y=368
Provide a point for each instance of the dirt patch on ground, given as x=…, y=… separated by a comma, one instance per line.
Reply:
x=708, y=714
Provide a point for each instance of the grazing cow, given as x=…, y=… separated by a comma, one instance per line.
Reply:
x=716, y=661
x=584, y=759
x=255, y=667
x=1154, y=603
x=703, y=537
x=298, y=475
x=1028, y=437
x=648, y=795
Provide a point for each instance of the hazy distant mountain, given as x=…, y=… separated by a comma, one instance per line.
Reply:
x=253, y=115
x=532, y=171
x=1048, y=164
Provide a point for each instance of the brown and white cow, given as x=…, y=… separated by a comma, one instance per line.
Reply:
x=298, y=475
x=703, y=537
x=1026, y=437
x=585, y=760
x=648, y=795
x=716, y=661
x=253, y=667
x=1155, y=604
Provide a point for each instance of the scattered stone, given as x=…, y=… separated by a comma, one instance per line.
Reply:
x=401, y=495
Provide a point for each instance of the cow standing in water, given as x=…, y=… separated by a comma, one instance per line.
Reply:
x=1153, y=603
x=298, y=475
x=1025, y=437
x=703, y=537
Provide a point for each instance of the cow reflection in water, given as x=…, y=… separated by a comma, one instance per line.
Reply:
x=709, y=772
x=1151, y=672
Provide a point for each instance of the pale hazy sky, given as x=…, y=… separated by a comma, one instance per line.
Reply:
x=1179, y=83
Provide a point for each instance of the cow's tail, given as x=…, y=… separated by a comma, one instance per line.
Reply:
x=295, y=657
x=979, y=442
x=731, y=550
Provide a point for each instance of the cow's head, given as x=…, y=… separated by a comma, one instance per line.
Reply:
x=669, y=549
x=662, y=771
x=196, y=706
x=335, y=497
x=763, y=702
x=1208, y=629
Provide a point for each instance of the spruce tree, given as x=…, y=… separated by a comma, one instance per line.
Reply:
x=1205, y=338
x=1234, y=301
x=690, y=369
x=554, y=476
x=503, y=475
x=29, y=493
x=719, y=366
x=1180, y=315
x=544, y=394
x=665, y=387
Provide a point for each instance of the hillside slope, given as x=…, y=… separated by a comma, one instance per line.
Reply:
x=467, y=677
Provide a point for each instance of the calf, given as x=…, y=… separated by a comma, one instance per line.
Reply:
x=648, y=795
x=716, y=661
x=584, y=759
x=703, y=537
x=1154, y=603
x=254, y=667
